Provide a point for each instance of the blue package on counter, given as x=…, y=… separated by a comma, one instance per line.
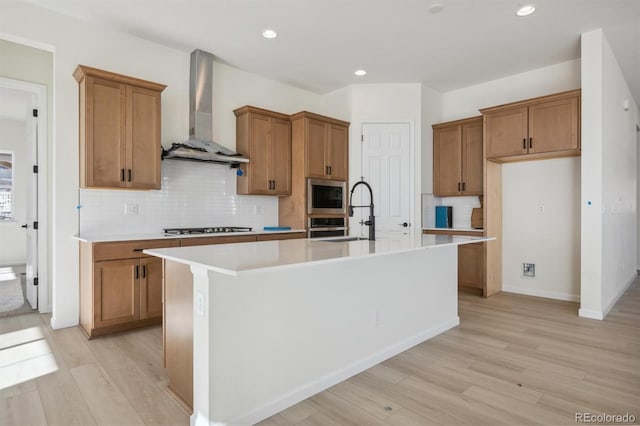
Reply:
x=277, y=228
x=444, y=216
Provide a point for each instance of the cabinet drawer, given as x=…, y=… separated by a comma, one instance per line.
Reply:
x=129, y=249
x=205, y=241
x=282, y=236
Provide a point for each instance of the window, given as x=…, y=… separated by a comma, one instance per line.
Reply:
x=6, y=185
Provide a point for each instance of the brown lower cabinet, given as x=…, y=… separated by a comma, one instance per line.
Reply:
x=471, y=261
x=121, y=287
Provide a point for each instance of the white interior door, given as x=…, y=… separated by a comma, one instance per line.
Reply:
x=386, y=166
x=32, y=209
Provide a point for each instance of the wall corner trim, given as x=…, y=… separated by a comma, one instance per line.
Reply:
x=589, y=313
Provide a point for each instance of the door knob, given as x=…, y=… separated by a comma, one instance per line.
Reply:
x=404, y=224
x=25, y=226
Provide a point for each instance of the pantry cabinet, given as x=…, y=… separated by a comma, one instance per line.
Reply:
x=326, y=144
x=545, y=127
x=265, y=138
x=457, y=158
x=119, y=130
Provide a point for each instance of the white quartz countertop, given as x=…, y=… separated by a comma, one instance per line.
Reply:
x=454, y=229
x=241, y=258
x=101, y=238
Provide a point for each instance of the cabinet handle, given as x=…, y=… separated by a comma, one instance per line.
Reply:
x=144, y=271
x=524, y=143
x=129, y=175
x=464, y=186
x=137, y=272
x=530, y=142
x=138, y=249
x=326, y=170
x=274, y=185
x=122, y=175
x=458, y=186
x=329, y=170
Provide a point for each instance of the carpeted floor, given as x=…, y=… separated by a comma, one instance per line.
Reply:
x=19, y=271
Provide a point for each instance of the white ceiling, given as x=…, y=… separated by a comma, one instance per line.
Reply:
x=14, y=104
x=321, y=42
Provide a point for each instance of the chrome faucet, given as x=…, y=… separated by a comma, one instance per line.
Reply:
x=371, y=223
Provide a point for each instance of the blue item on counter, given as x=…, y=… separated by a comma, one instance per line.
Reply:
x=444, y=216
x=277, y=228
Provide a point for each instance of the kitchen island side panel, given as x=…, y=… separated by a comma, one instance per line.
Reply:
x=278, y=337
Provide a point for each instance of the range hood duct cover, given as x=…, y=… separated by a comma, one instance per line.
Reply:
x=200, y=145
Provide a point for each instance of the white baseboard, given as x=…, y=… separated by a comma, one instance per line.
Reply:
x=542, y=293
x=309, y=389
x=590, y=313
x=617, y=297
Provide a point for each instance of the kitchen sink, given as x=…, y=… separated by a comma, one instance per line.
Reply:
x=343, y=239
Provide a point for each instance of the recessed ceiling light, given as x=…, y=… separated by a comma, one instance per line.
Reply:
x=435, y=8
x=360, y=73
x=526, y=10
x=269, y=34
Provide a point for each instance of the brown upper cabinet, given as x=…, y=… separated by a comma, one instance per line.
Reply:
x=545, y=127
x=457, y=158
x=265, y=138
x=326, y=144
x=119, y=130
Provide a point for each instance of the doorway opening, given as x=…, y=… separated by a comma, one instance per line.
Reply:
x=23, y=198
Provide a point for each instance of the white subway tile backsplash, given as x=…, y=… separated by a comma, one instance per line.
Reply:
x=462, y=208
x=192, y=194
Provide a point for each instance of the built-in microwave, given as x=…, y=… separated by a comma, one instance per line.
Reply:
x=326, y=196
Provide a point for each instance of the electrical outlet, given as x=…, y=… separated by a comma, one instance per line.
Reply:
x=529, y=270
x=540, y=208
x=131, y=209
x=376, y=318
x=257, y=210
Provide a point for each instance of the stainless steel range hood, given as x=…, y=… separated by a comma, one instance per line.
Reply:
x=200, y=146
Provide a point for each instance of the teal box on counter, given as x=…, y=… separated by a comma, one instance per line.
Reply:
x=444, y=216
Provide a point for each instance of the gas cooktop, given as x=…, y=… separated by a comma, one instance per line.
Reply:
x=207, y=230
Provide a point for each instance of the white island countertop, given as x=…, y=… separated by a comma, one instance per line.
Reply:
x=241, y=258
x=103, y=238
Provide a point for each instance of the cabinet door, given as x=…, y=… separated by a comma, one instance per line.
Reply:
x=506, y=132
x=553, y=126
x=447, y=151
x=281, y=153
x=261, y=154
x=338, y=152
x=472, y=160
x=143, y=138
x=316, y=140
x=150, y=288
x=104, y=134
x=116, y=296
x=471, y=265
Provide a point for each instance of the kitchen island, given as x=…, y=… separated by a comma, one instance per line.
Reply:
x=276, y=322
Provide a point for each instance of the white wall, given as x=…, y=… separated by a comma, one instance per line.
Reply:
x=609, y=179
x=550, y=239
x=13, y=249
x=76, y=42
x=431, y=112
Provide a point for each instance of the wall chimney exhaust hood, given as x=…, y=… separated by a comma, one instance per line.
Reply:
x=200, y=146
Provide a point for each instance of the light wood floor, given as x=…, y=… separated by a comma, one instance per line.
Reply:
x=514, y=360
